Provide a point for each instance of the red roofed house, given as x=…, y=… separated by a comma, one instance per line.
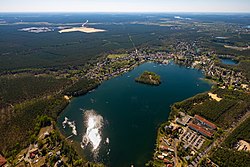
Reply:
x=205, y=122
x=163, y=148
x=200, y=130
x=3, y=161
x=33, y=153
x=166, y=161
x=169, y=165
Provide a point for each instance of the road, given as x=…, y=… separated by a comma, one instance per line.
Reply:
x=220, y=140
x=175, y=152
x=130, y=38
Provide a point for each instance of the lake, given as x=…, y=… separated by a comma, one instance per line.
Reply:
x=228, y=61
x=128, y=113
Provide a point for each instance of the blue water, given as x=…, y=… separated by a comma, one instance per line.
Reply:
x=228, y=61
x=133, y=111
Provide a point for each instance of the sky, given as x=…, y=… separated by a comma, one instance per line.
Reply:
x=233, y=6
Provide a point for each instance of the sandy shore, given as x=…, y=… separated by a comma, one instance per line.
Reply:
x=82, y=29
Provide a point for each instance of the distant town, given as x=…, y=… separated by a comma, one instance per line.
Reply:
x=117, y=64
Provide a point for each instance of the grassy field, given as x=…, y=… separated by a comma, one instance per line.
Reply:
x=114, y=56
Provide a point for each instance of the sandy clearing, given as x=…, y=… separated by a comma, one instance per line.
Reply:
x=66, y=97
x=244, y=145
x=214, y=96
x=82, y=29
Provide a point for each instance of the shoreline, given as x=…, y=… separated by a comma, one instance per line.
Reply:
x=142, y=61
x=209, y=81
x=75, y=144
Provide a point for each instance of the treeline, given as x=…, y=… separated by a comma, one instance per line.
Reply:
x=226, y=157
x=245, y=67
x=187, y=105
x=81, y=87
x=18, y=89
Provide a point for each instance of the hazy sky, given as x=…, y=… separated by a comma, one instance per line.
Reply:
x=125, y=6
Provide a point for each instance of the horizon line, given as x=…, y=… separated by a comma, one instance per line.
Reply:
x=141, y=12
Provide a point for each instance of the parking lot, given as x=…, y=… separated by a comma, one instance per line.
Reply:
x=192, y=139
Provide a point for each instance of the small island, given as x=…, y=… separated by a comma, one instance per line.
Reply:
x=150, y=78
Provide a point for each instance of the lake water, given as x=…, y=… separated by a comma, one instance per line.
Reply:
x=130, y=113
x=228, y=61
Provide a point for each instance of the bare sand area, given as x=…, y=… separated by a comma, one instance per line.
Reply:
x=214, y=96
x=82, y=29
x=244, y=145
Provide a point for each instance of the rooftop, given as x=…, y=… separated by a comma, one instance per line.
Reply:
x=184, y=120
x=3, y=161
x=200, y=129
x=210, y=124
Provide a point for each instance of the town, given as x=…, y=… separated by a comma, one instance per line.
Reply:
x=184, y=139
x=116, y=64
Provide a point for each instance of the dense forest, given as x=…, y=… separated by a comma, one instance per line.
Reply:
x=240, y=133
x=150, y=78
x=19, y=130
x=15, y=89
x=81, y=87
x=33, y=98
x=226, y=157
